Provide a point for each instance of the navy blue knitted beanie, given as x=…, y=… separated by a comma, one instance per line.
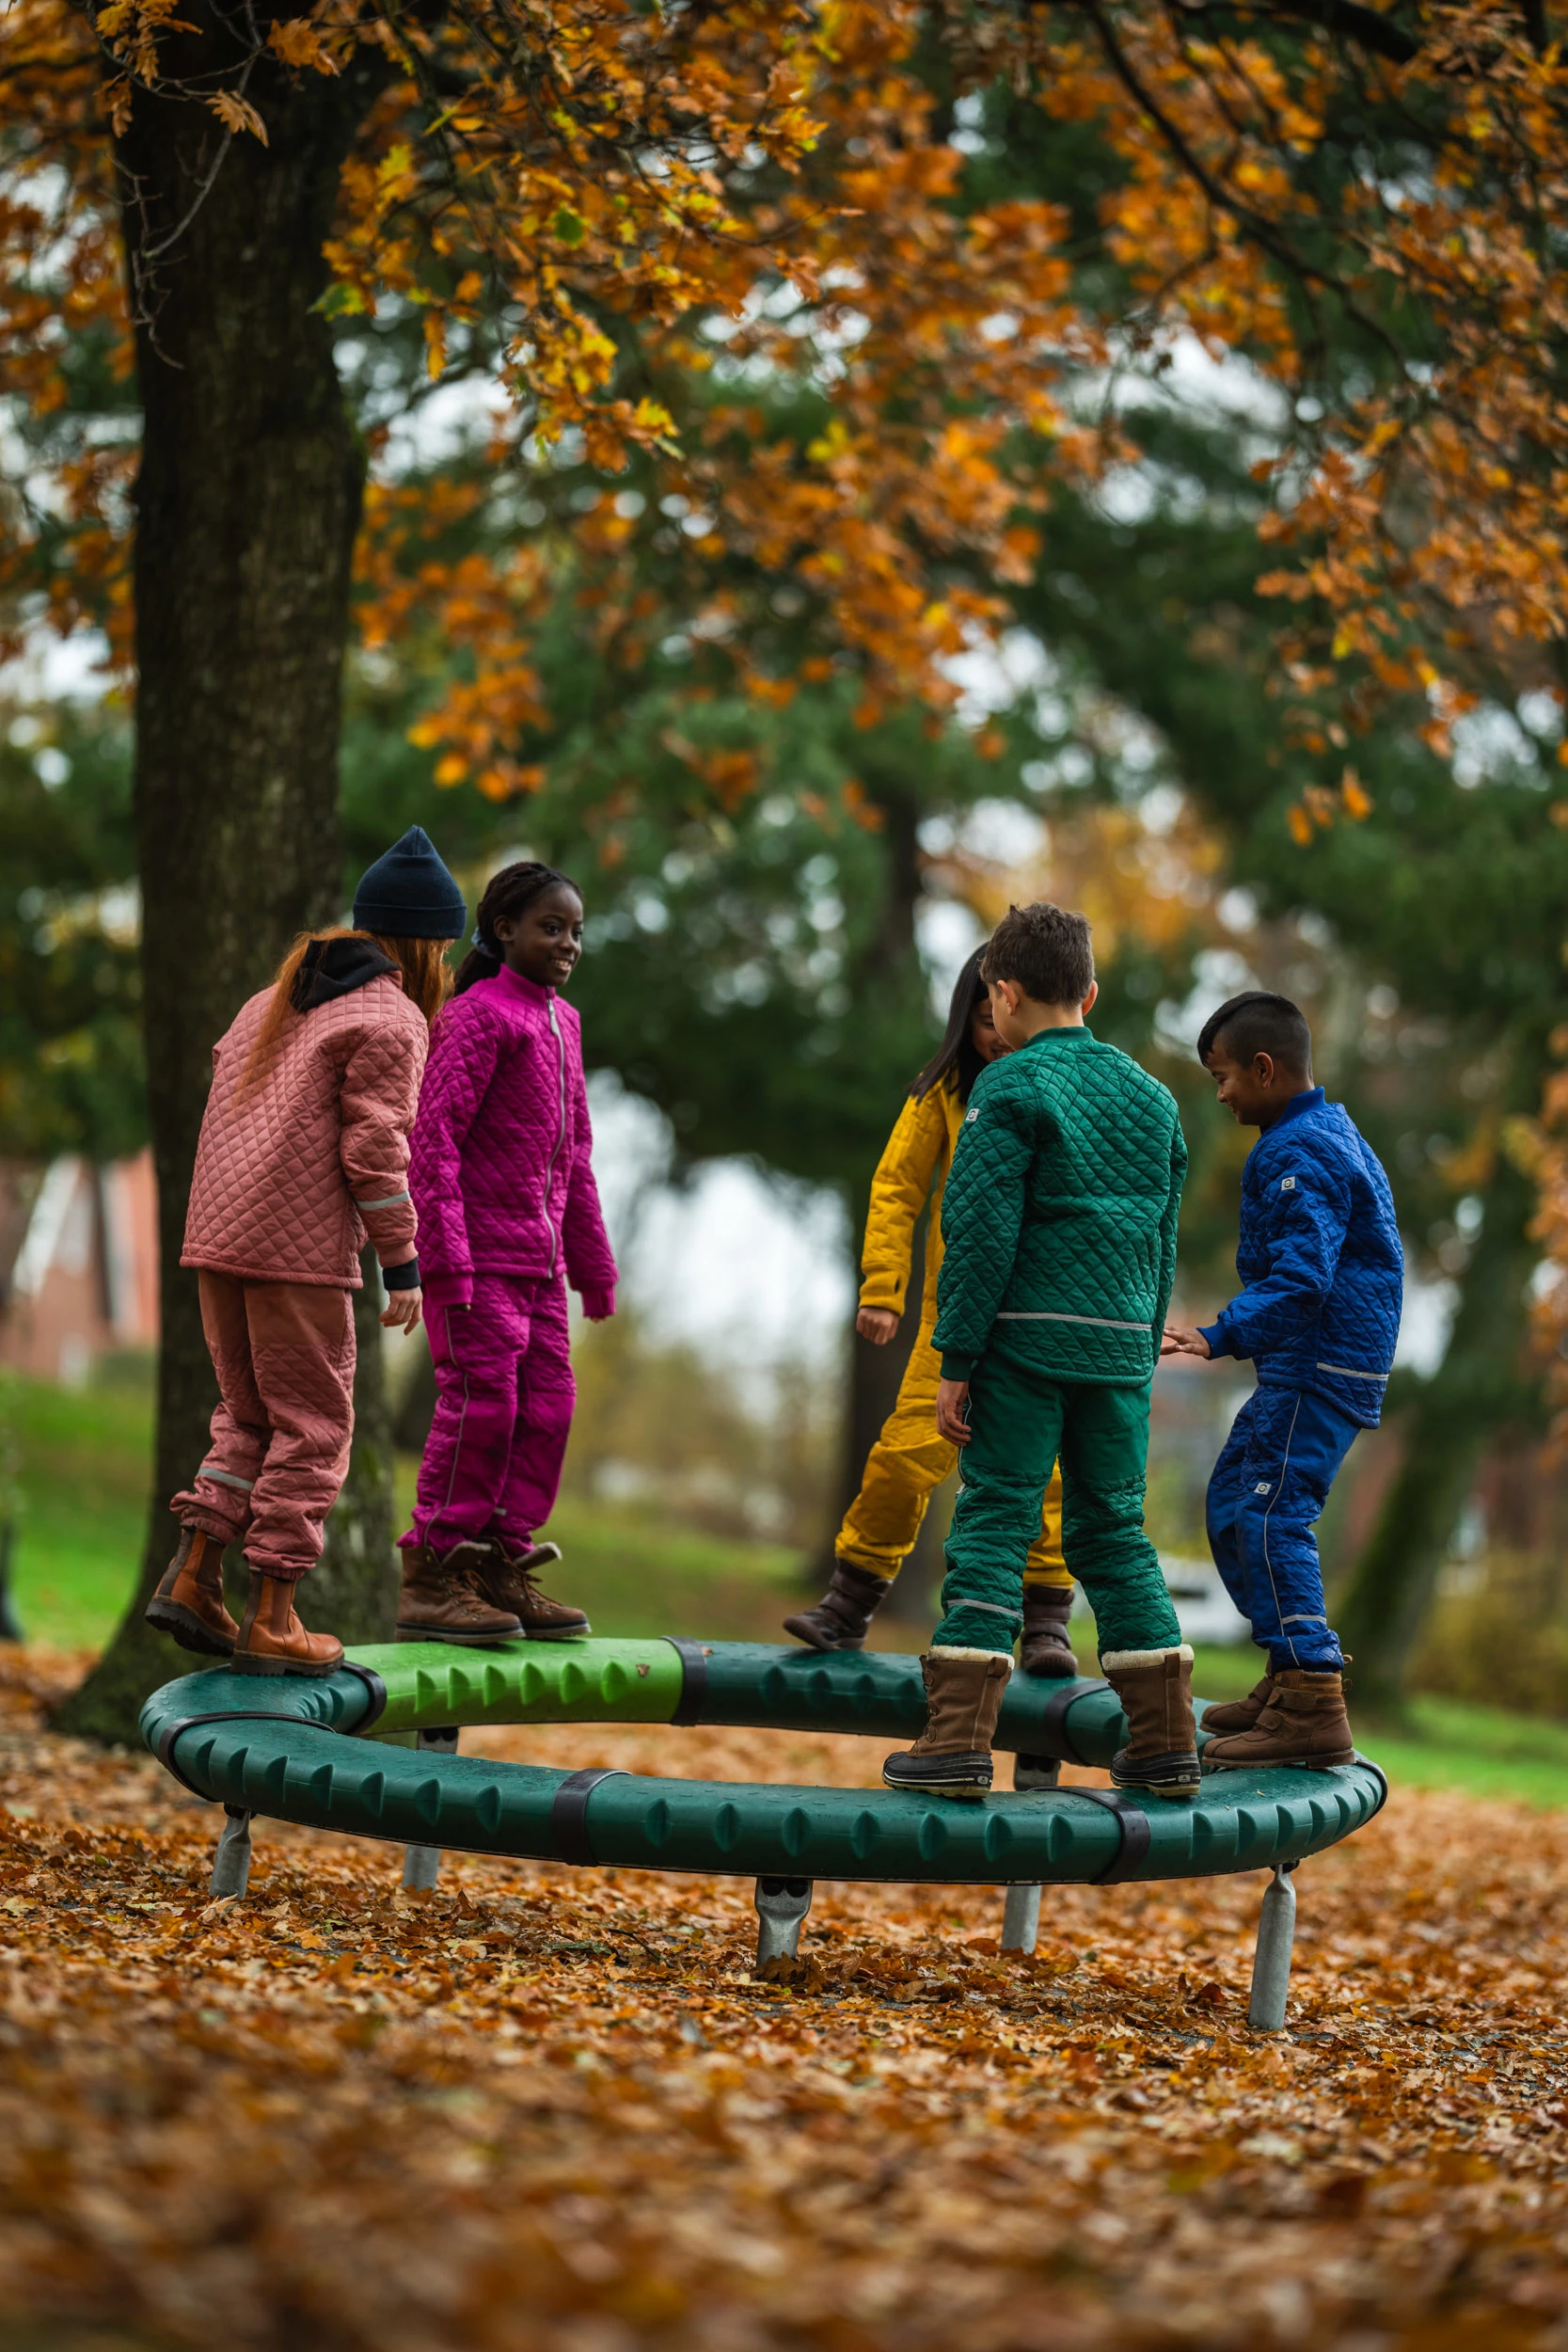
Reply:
x=408, y=894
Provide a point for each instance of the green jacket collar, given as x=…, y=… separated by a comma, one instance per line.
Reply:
x=1059, y=1036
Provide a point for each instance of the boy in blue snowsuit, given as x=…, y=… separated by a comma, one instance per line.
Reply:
x=1322, y=1270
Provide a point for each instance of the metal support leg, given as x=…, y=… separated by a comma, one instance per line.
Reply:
x=1031, y=1773
x=231, y=1860
x=422, y=1865
x=1270, y=1965
x=782, y=1905
x=1021, y=1919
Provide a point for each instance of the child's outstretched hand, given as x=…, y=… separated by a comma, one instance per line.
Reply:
x=1177, y=1340
x=876, y=1324
x=953, y=1410
x=402, y=1309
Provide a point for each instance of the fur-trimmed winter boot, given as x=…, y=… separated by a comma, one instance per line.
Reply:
x=965, y=1690
x=1045, y=1649
x=841, y=1616
x=188, y=1603
x=444, y=1598
x=1155, y=1688
x=1303, y=1723
x=1229, y=1715
x=511, y=1583
x=272, y=1640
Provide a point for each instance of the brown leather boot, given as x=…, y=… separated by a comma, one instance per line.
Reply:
x=841, y=1616
x=1230, y=1715
x=188, y=1603
x=1303, y=1723
x=1155, y=1688
x=510, y=1584
x=444, y=1598
x=1046, y=1649
x=272, y=1640
x=965, y=1690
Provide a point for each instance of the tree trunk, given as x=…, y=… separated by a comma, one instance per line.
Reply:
x=1381, y=1612
x=248, y=505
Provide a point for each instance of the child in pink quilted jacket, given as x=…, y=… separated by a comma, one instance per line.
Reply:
x=509, y=1215
x=304, y=1151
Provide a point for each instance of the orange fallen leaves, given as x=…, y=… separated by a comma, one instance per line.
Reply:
x=562, y=2110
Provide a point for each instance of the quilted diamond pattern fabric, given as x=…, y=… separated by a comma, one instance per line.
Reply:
x=500, y=1170
x=1321, y=1256
x=1060, y=1217
x=292, y=1174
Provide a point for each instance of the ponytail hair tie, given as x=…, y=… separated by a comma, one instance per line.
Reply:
x=484, y=947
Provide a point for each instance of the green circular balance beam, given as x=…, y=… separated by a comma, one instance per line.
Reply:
x=332, y=1755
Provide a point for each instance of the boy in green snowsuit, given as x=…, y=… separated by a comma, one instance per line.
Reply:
x=1059, y=1226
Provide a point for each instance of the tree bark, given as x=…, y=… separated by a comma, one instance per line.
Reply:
x=248, y=505
x=1381, y=1612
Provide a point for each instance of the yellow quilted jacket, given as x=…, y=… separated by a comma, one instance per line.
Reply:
x=912, y=1168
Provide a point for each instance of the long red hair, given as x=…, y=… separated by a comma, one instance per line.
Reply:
x=426, y=981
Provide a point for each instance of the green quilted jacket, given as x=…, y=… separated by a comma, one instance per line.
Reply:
x=1059, y=1217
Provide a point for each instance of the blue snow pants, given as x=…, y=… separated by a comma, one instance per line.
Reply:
x=1267, y=1489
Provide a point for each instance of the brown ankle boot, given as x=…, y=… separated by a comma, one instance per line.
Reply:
x=841, y=1616
x=444, y=1598
x=188, y=1603
x=1303, y=1723
x=1230, y=1715
x=1046, y=1649
x=965, y=1690
x=509, y=1582
x=272, y=1640
x=1155, y=1688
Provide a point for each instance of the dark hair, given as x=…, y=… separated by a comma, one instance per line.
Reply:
x=1258, y=1022
x=956, y=1056
x=506, y=894
x=1046, y=950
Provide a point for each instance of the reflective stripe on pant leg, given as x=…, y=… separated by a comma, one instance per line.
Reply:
x=546, y=1395
x=302, y=1348
x=1016, y=1421
x=1104, y=1462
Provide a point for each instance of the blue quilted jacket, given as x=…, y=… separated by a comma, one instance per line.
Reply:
x=1321, y=1259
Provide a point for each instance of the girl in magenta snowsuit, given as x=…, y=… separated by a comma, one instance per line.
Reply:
x=509, y=1215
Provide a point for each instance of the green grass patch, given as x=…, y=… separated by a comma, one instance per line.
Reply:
x=83, y=1462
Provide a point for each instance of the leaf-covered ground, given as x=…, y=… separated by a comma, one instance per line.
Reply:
x=555, y=2110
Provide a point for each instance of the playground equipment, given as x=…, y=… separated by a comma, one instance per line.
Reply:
x=372, y=1750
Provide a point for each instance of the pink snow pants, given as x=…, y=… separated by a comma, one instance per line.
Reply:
x=504, y=1394
x=283, y=1353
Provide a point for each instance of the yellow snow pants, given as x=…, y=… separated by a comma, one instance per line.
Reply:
x=904, y=1469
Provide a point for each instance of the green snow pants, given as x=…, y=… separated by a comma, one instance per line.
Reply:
x=1020, y=1424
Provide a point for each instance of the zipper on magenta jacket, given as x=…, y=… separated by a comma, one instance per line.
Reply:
x=549, y=1170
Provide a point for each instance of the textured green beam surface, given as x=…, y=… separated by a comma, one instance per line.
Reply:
x=295, y=1770
x=278, y=1748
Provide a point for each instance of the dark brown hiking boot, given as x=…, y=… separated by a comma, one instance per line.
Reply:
x=1238, y=1714
x=444, y=1598
x=1155, y=1688
x=509, y=1582
x=1303, y=1723
x=965, y=1690
x=841, y=1616
x=272, y=1640
x=1046, y=1611
x=188, y=1603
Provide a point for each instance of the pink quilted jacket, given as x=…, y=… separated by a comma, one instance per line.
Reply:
x=501, y=1171
x=290, y=1177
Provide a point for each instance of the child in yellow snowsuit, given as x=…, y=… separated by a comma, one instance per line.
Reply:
x=909, y=1459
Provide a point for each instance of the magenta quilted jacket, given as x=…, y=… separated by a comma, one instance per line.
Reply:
x=291, y=1176
x=500, y=1170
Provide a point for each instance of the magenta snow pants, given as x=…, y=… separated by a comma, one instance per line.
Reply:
x=504, y=1394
